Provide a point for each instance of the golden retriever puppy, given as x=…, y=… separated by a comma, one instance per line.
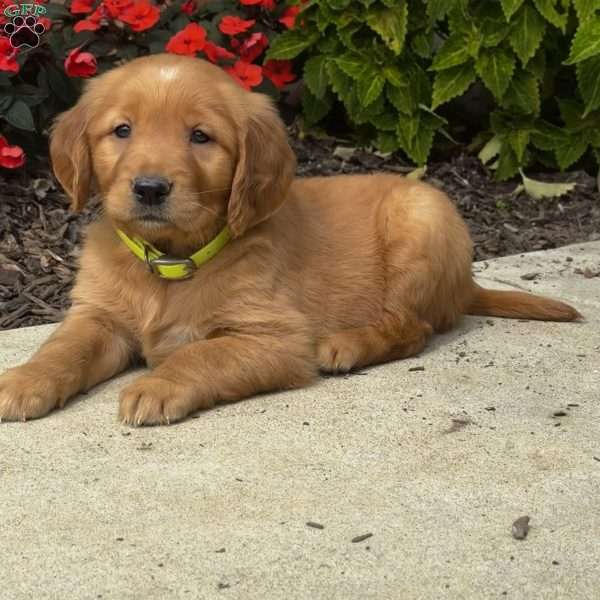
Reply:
x=226, y=274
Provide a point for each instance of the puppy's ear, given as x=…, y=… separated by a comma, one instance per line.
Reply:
x=265, y=169
x=70, y=154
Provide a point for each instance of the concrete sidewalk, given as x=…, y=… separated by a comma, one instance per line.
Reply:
x=434, y=456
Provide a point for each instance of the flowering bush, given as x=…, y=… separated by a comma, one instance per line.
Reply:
x=85, y=37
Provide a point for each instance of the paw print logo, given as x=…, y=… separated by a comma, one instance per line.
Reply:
x=24, y=32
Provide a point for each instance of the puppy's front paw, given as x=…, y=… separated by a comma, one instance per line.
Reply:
x=153, y=400
x=26, y=393
x=338, y=353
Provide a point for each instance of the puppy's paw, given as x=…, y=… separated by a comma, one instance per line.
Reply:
x=25, y=393
x=338, y=353
x=153, y=400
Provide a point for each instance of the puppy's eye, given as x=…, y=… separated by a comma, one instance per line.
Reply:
x=122, y=131
x=199, y=137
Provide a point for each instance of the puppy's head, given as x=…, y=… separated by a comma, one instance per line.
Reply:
x=176, y=149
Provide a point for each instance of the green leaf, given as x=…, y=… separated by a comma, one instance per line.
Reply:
x=451, y=83
x=340, y=82
x=492, y=25
x=537, y=65
x=339, y=4
x=416, y=133
x=585, y=8
x=547, y=9
x=417, y=174
x=547, y=136
x=586, y=42
x=438, y=9
x=370, y=86
x=588, y=126
x=523, y=94
x=328, y=45
x=570, y=150
x=324, y=18
x=419, y=81
x=395, y=76
x=454, y=52
x=421, y=146
x=422, y=44
x=518, y=141
x=402, y=98
x=510, y=7
x=386, y=121
x=540, y=189
x=527, y=33
x=490, y=150
x=289, y=45
x=315, y=75
x=508, y=164
x=19, y=116
x=387, y=142
x=358, y=112
x=55, y=11
x=390, y=24
x=61, y=85
x=314, y=108
x=571, y=112
x=352, y=64
x=179, y=23
x=588, y=78
x=31, y=95
x=495, y=67
x=407, y=129
x=346, y=35
x=5, y=102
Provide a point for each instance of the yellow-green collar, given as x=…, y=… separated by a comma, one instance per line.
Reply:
x=170, y=267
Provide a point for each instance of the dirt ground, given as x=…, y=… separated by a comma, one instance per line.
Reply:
x=39, y=238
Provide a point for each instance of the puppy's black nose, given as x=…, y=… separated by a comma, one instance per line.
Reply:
x=151, y=191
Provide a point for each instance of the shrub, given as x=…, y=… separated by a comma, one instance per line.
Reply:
x=394, y=65
x=86, y=37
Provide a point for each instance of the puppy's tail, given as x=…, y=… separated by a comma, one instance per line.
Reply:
x=519, y=305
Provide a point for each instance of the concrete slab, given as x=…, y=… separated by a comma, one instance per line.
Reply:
x=436, y=463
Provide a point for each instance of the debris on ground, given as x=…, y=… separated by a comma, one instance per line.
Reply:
x=520, y=528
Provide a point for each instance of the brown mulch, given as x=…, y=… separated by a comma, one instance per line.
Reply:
x=39, y=238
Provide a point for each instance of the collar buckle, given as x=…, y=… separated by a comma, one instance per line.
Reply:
x=187, y=264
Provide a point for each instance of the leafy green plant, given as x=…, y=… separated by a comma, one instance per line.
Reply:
x=397, y=66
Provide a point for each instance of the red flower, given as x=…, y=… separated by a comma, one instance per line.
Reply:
x=234, y=25
x=253, y=47
x=82, y=7
x=215, y=53
x=11, y=157
x=115, y=8
x=92, y=23
x=188, y=41
x=188, y=7
x=279, y=72
x=141, y=15
x=8, y=56
x=247, y=75
x=80, y=64
x=46, y=22
x=288, y=18
x=268, y=4
x=4, y=4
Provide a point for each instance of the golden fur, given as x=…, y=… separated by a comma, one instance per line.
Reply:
x=323, y=273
